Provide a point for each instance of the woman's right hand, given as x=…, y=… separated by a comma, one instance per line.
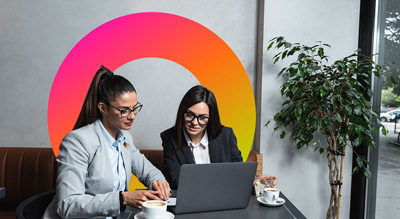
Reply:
x=136, y=198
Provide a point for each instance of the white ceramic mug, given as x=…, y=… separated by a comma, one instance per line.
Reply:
x=154, y=209
x=271, y=195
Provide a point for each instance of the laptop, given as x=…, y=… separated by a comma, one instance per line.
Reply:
x=215, y=186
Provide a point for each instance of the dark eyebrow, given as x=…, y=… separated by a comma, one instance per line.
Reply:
x=195, y=114
x=125, y=107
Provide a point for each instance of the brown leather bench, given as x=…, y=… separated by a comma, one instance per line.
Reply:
x=25, y=172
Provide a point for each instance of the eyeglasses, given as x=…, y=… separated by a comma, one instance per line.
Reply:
x=190, y=116
x=127, y=112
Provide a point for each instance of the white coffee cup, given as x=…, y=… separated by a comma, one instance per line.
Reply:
x=271, y=195
x=154, y=209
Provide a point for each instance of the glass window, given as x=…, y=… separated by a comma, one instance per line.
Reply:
x=388, y=170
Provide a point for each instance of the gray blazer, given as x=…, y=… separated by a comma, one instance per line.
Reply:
x=85, y=178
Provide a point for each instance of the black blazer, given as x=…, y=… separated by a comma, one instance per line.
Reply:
x=222, y=148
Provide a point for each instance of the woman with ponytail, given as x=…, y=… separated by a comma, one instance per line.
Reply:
x=97, y=158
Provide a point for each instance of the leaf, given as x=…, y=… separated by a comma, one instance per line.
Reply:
x=377, y=74
x=291, y=52
x=384, y=130
x=394, y=82
x=327, y=121
x=322, y=92
x=356, y=169
x=321, y=52
x=270, y=45
x=341, y=64
x=339, y=118
x=282, y=134
x=359, y=161
x=269, y=121
x=284, y=54
x=302, y=73
x=348, y=109
x=370, y=93
x=358, y=110
x=299, y=111
x=321, y=150
x=293, y=71
x=356, y=143
x=367, y=173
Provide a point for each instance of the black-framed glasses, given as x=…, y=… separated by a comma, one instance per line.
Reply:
x=189, y=116
x=127, y=112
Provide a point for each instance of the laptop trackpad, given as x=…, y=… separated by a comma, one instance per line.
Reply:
x=171, y=202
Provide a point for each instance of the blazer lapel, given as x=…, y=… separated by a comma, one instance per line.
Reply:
x=104, y=151
x=187, y=153
x=213, y=150
x=125, y=157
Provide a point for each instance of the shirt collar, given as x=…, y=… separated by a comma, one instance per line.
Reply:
x=203, y=141
x=109, y=139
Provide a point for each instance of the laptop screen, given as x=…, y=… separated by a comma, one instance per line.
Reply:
x=215, y=186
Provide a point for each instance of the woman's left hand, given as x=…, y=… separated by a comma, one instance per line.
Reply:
x=163, y=189
x=263, y=178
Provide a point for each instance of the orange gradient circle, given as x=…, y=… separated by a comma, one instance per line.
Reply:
x=154, y=35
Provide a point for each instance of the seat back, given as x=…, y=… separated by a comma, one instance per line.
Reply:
x=35, y=206
x=155, y=156
x=25, y=172
x=258, y=157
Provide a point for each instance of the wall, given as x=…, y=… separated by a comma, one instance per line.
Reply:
x=36, y=36
x=303, y=174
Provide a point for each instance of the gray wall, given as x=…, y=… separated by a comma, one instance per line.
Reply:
x=303, y=174
x=35, y=37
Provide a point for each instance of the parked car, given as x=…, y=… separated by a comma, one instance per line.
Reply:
x=389, y=116
x=396, y=118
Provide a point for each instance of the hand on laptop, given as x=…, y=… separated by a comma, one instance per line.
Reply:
x=136, y=198
x=163, y=189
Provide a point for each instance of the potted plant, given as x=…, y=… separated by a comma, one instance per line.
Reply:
x=327, y=106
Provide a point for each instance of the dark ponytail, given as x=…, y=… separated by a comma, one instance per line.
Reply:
x=105, y=87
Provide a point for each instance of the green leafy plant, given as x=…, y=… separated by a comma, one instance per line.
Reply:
x=327, y=106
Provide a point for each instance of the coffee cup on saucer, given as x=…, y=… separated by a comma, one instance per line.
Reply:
x=154, y=209
x=271, y=195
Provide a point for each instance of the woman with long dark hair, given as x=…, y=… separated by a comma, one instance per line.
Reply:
x=97, y=158
x=198, y=135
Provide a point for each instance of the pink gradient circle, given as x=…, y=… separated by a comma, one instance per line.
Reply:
x=154, y=35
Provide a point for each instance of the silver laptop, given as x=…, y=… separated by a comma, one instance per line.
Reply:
x=216, y=186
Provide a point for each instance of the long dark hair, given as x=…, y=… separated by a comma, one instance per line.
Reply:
x=196, y=95
x=105, y=87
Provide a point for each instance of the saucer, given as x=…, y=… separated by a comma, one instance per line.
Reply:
x=168, y=215
x=262, y=201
